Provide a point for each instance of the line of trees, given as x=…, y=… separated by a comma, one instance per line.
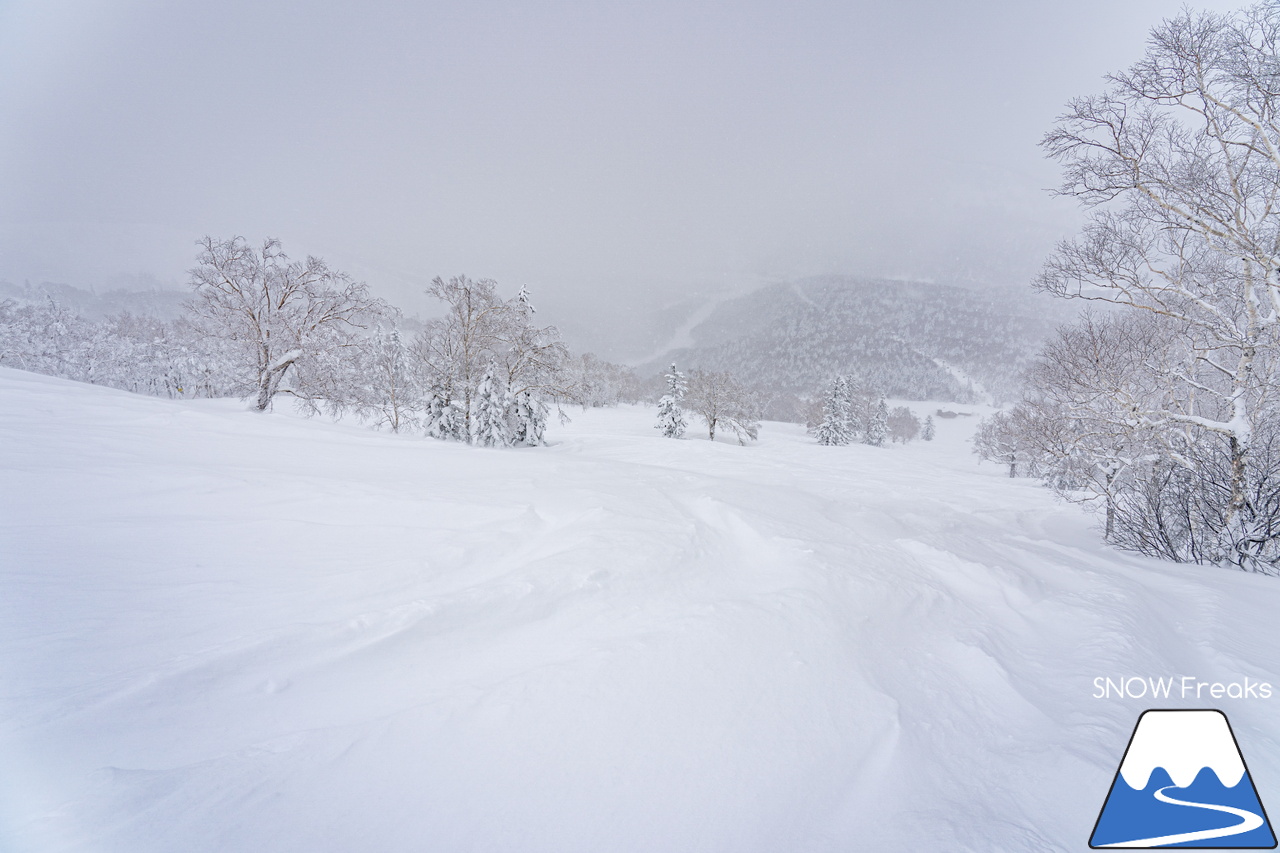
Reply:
x=260, y=325
x=851, y=413
x=135, y=353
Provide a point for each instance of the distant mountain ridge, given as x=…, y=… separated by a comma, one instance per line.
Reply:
x=163, y=303
x=912, y=340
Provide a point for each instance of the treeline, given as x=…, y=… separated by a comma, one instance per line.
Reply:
x=139, y=353
x=259, y=325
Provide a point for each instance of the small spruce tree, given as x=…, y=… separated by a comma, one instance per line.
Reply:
x=444, y=418
x=489, y=421
x=837, y=415
x=528, y=418
x=877, y=425
x=929, y=431
x=671, y=419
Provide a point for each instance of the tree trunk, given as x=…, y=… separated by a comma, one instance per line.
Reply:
x=1234, y=523
x=266, y=390
x=268, y=384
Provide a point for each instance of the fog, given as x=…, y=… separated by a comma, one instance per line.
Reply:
x=605, y=155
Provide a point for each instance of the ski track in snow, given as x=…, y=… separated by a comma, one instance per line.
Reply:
x=682, y=337
x=225, y=631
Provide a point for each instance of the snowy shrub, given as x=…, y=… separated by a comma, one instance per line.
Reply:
x=996, y=440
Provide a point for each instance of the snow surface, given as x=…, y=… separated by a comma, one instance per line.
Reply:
x=224, y=631
x=1183, y=743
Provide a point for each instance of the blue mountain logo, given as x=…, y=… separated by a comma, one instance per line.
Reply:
x=1183, y=783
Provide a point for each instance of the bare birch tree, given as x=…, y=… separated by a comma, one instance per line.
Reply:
x=277, y=314
x=721, y=401
x=1179, y=159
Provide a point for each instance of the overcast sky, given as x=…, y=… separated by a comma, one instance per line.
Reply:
x=609, y=149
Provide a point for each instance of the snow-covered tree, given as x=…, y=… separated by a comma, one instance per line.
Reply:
x=903, y=424
x=533, y=359
x=928, y=431
x=482, y=335
x=489, y=427
x=1179, y=159
x=671, y=419
x=277, y=314
x=1160, y=491
x=444, y=417
x=722, y=401
x=457, y=350
x=836, y=427
x=385, y=388
x=877, y=428
x=997, y=440
x=143, y=354
x=528, y=419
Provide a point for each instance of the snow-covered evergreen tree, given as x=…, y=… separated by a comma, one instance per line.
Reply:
x=489, y=420
x=878, y=426
x=527, y=415
x=523, y=303
x=836, y=427
x=928, y=431
x=444, y=418
x=671, y=419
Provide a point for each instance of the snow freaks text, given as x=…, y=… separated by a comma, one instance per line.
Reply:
x=1178, y=687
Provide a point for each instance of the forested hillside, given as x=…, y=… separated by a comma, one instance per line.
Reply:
x=908, y=339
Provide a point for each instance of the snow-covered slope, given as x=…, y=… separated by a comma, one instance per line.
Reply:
x=228, y=632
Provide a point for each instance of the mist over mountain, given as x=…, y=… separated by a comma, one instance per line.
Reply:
x=140, y=295
x=913, y=340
